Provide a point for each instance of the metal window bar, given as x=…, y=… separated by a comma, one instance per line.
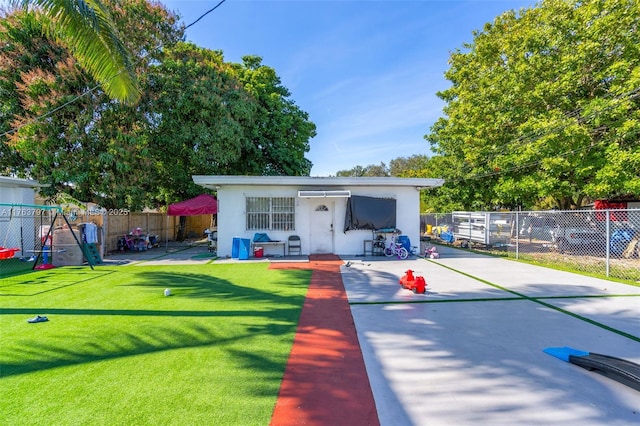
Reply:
x=270, y=213
x=283, y=213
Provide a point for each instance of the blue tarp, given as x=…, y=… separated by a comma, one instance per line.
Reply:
x=261, y=237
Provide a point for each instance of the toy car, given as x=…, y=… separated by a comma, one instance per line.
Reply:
x=415, y=284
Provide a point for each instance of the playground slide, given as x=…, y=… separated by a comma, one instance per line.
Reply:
x=620, y=370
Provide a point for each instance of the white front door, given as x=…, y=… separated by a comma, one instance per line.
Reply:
x=321, y=235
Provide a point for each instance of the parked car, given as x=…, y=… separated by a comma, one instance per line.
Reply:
x=582, y=239
x=538, y=227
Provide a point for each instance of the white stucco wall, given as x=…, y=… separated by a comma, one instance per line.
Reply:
x=231, y=216
x=10, y=194
x=17, y=230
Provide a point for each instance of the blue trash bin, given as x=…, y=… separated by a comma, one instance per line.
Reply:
x=235, y=248
x=405, y=241
x=620, y=240
x=245, y=246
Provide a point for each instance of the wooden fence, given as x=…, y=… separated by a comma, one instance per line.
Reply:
x=115, y=223
x=114, y=226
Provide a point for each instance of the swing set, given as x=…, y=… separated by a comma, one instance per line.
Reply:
x=26, y=237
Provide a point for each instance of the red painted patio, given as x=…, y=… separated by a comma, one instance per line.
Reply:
x=325, y=380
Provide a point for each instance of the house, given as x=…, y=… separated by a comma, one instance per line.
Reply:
x=18, y=191
x=17, y=212
x=329, y=214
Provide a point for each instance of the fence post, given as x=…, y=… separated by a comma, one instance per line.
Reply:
x=517, y=235
x=487, y=228
x=105, y=234
x=607, y=250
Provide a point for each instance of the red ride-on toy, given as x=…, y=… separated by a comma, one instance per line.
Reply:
x=415, y=284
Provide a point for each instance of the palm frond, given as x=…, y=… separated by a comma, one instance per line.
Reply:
x=86, y=28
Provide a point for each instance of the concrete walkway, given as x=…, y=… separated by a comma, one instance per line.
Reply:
x=171, y=254
x=183, y=254
x=470, y=351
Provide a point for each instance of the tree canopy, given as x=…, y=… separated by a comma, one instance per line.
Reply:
x=372, y=170
x=543, y=108
x=87, y=30
x=197, y=114
x=542, y=112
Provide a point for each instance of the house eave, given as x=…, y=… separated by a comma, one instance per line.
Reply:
x=216, y=182
x=21, y=183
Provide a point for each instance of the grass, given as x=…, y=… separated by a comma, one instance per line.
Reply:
x=587, y=269
x=14, y=266
x=584, y=265
x=117, y=351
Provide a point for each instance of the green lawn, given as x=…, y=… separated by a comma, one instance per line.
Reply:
x=14, y=266
x=117, y=351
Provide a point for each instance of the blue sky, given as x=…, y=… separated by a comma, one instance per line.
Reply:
x=367, y=72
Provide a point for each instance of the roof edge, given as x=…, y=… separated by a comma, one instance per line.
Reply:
x=215, y=181
x=24, y=183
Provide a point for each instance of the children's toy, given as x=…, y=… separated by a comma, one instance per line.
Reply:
x=431, y=253
x=621, y=370
x=396, y=248
x=7, y=253
x=415, y=284
x=45, y=260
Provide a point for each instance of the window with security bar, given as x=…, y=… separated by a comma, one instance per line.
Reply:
x=270, y=213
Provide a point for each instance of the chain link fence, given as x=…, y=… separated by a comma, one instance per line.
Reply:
x=25, y=237
x=35, y=237
x=600, y=242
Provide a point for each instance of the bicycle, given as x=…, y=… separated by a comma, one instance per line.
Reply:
x=396, y=249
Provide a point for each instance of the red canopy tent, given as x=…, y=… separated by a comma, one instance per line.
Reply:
x=202, y=204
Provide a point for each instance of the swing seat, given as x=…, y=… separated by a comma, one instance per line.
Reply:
x=7, y=253
x=44, y=267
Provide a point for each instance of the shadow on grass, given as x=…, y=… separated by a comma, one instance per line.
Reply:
x=14, y=267
x=271, y=311
x=193, y=285
x=39, y=357
x=40, y=282
x=135, y=313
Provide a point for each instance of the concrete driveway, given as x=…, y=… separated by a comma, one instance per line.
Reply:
x=470, y=351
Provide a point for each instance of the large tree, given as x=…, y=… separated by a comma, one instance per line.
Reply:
x=278, y=137
x=544, y=105
x=197, y=115
x=86, y=28
x=372, y=170
x=202, y=117
x=63, y=133
x=413, y=166
x=214, y=117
